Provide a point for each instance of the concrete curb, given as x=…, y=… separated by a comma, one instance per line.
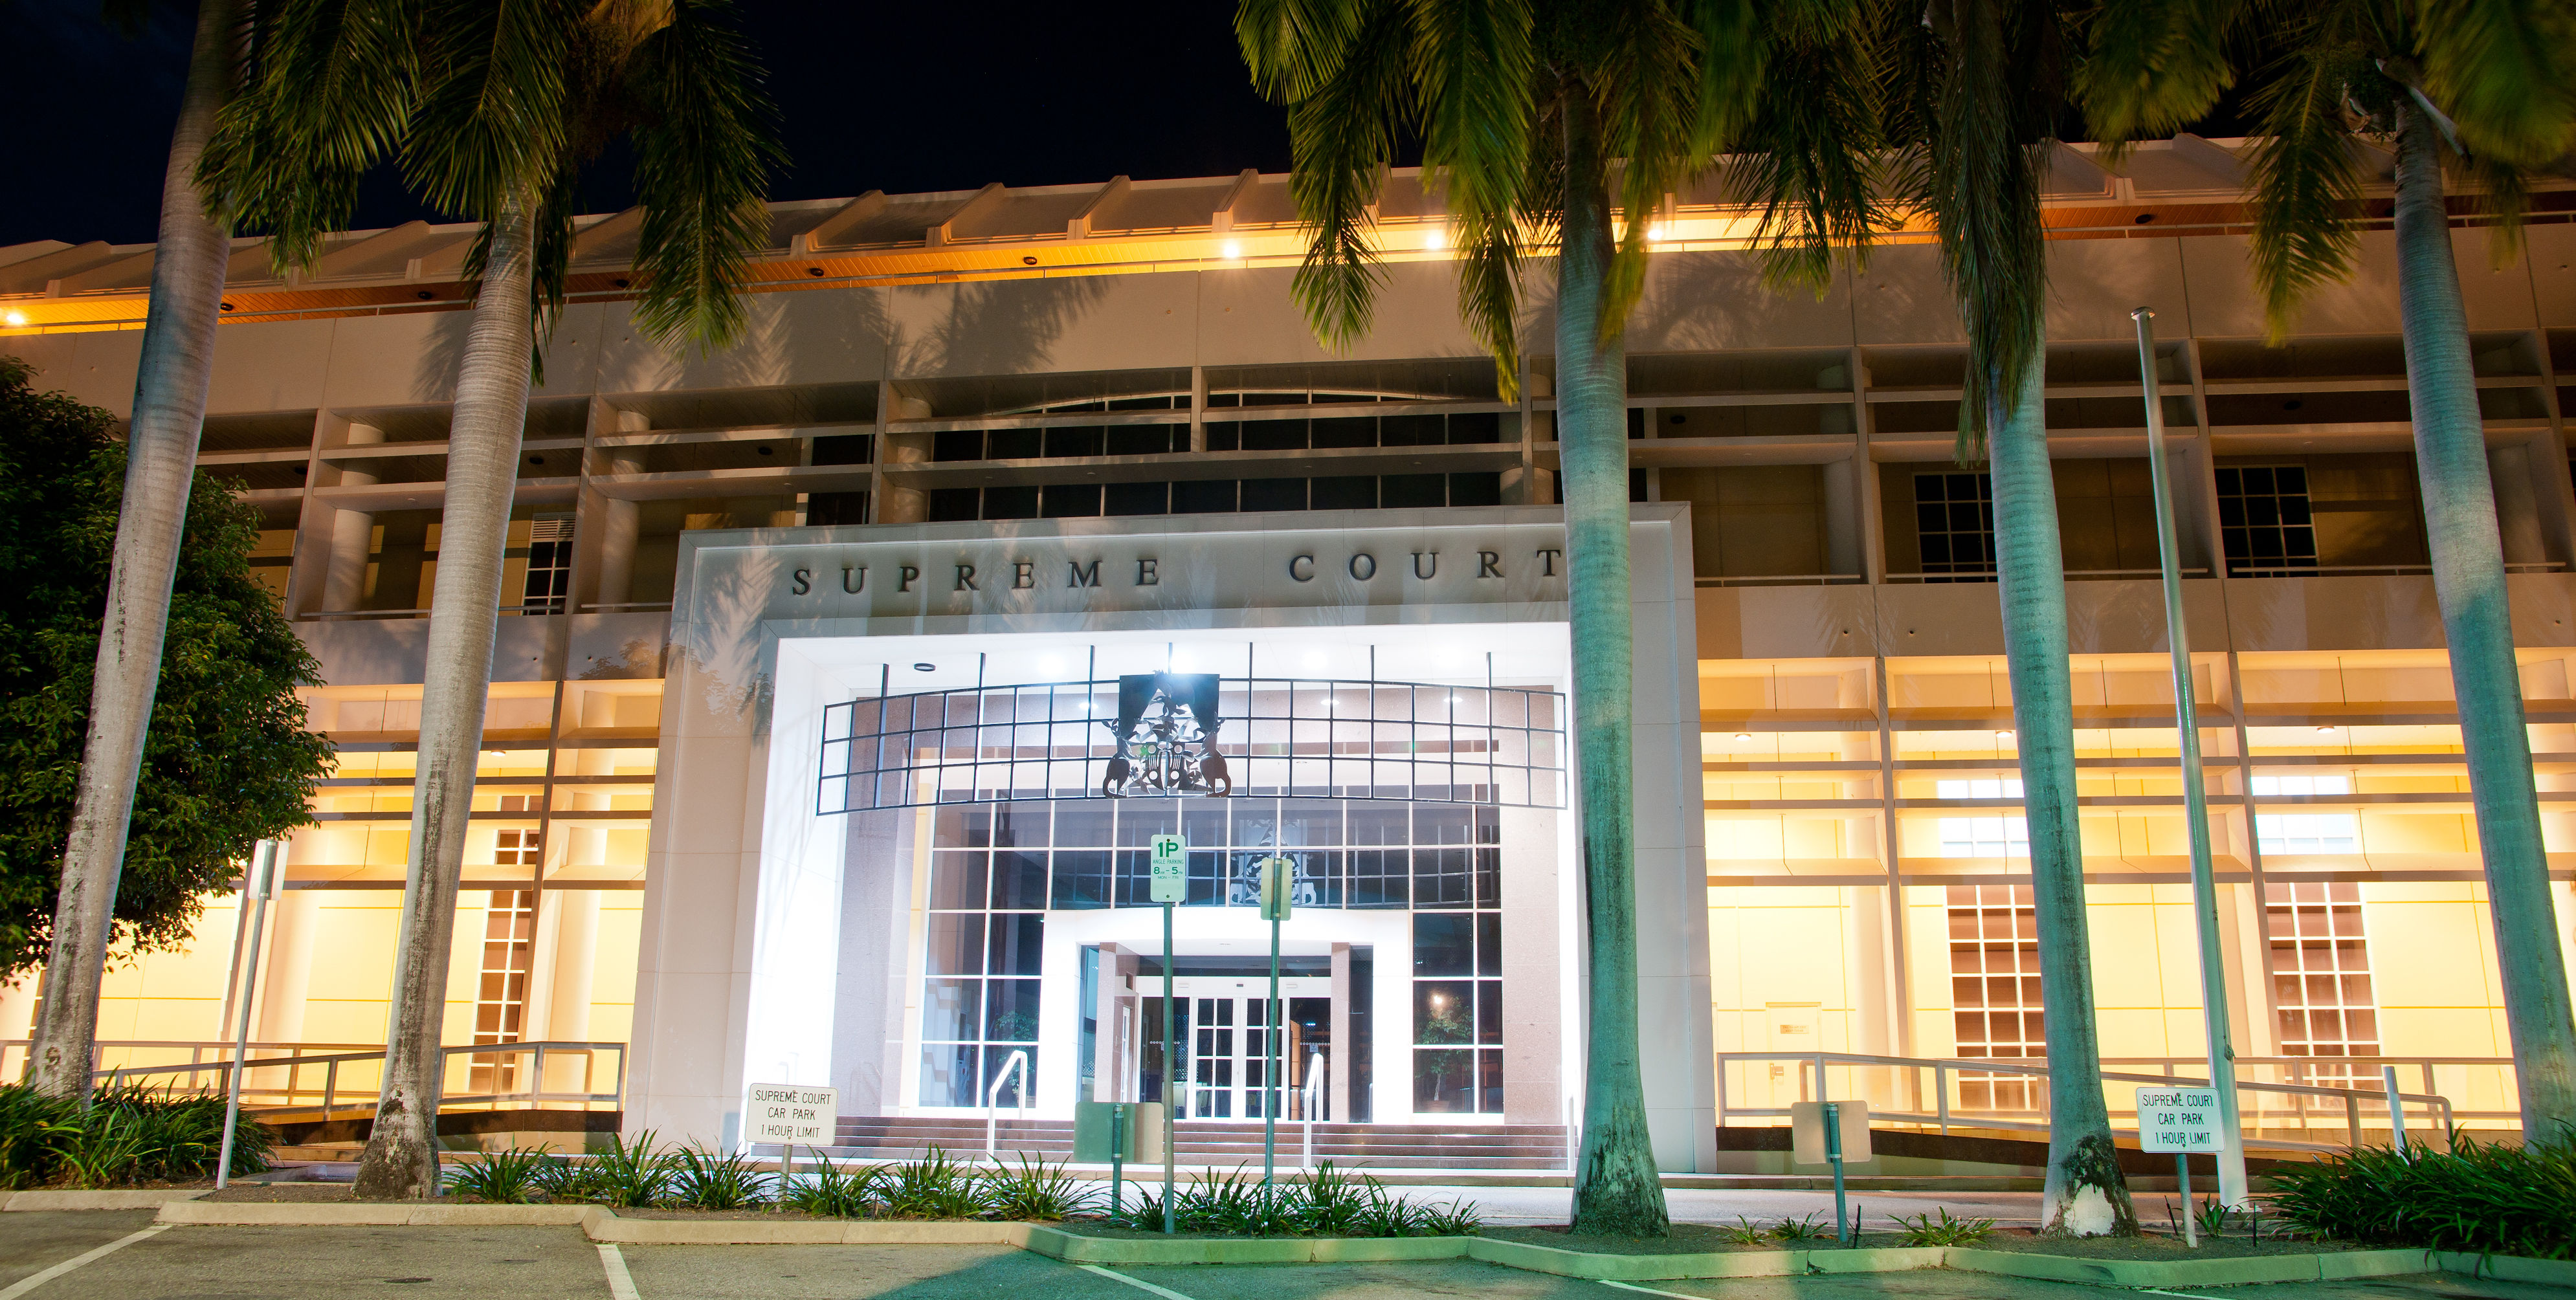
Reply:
x=2509, y=1268
x=105, y=1200
x=601, y=1224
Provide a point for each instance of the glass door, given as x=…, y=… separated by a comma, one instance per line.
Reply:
x=1227, y=1042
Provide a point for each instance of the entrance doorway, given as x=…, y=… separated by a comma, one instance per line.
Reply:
x=1227, y=1044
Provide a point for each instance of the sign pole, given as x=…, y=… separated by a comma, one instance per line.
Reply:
x=1834, y=1156
x=255, y=895
x=1171, y=1073
x=2182, y=1179
x=2204, y=886
x=1169, y=883
x=1274, y=908
x=1117, y=1153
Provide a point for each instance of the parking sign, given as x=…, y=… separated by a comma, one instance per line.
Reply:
x=2180, y=1119
x=1171, y=868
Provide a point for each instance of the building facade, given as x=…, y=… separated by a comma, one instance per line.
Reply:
x=795, y=753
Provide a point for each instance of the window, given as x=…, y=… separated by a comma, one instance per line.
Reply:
x=549, y=583
x=1995, y=992
x=984, y=932
x=2264, y=520
x=501, y=994
x=1983, y=837
x=2321, y=977
x=2287, y=833
x=519, y=848
x=1954, y=525
x=1457, y=962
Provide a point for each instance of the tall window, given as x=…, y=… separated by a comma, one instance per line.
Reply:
x=1457, y=960
x=549, y=585
x=1994, y=991
x=2264, y=521
x=519, y=848
x=2321, y=977
x=1954, y=525
x=2288, y=833
x=979, y=1001
x=501, y=995
x=1983, y=837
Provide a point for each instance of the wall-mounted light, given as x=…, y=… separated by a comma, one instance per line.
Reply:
x=1438, y=237
x=17, y=318
x=1230, y=250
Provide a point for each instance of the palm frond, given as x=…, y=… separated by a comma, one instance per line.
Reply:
x=1489, y=293
x=496, y=108
x=1343, y=137
x=2505, y=71
x=1812, y=153
x=1646, y=83
x=2155, y=66
x=326, y=92
x=703, y=151
x=2305, y=174
x=1734, y=51
x=1470, y=65
x=1983, y=168
x=1293, y=48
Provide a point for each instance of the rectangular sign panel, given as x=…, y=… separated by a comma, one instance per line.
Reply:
x=792, y=1114
x=1807, y=1144
x=2180, y=1119
x=1171, y=868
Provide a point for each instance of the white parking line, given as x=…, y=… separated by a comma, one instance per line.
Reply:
x=1166, y=1292
x=621, y=1284
x=29, y=1284
x=1647, y=1290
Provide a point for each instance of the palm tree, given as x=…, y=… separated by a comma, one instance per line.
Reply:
x=1532, y=118
x=510, y=100
x=2483, y=91
x=1980, y=86
x=173, y=373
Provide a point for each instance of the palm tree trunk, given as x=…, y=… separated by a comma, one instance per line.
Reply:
x=177, y=365
x=2468, y=579
x=401, y=1158
x=1616, y=1190
x=2085, y=1194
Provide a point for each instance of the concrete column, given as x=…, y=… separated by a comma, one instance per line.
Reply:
x=570, y=976
x=286, y=977
x=1866, y=952
x=344, y=583
x=617, y=537
x=903, y=505
x=1104, y=1038
x=1340, y=1080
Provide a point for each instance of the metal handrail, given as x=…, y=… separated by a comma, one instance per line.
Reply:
x=295, y=1060
x=1944, y=1116
x=1315, y=1067
x=993, y=1094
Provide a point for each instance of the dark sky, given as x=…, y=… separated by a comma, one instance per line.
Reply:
x=944, y=95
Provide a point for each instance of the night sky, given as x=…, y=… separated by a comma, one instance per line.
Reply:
x=944, y=95
x=903, y=98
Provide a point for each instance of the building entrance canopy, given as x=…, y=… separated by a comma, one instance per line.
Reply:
x=1282, y=736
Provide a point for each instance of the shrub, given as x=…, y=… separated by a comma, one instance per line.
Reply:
x=832, y=1191
x=630, y=1175
x=710, y=1180
x=1924, y=1230
x=512, y=1177
x=2488, y=1199
x=561, y=1179
x=1036, y=1190
x=1326, y=1202
x=934, y=1187
x=1797, y=1230
x=127, y=1135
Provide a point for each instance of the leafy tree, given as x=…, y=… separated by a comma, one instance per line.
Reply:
x=2478, y=94
x=228, y=761
x=1536, y=120
x=497, y=106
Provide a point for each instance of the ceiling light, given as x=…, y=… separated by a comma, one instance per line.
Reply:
x=923, y=668
x=17, y=318
x=2325, y=731
x=1230, y=250
x=1438, y=237
x=2003, y=735
x=1654, y=234
x=1743, y=736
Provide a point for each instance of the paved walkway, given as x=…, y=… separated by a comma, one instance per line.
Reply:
x=121, y=1255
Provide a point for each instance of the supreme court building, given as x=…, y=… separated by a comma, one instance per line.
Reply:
x=846, y=676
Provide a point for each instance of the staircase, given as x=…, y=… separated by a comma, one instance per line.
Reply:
x=1223, y=1143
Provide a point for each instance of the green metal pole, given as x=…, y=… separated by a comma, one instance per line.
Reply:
x=1270, y=1096
x=1171, y=1068
x=2195, y=798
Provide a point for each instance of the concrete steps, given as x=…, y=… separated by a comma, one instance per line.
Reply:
x=1223, y=1142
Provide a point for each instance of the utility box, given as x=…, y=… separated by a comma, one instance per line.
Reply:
x=1807, y=1132
x=1142, y=1132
